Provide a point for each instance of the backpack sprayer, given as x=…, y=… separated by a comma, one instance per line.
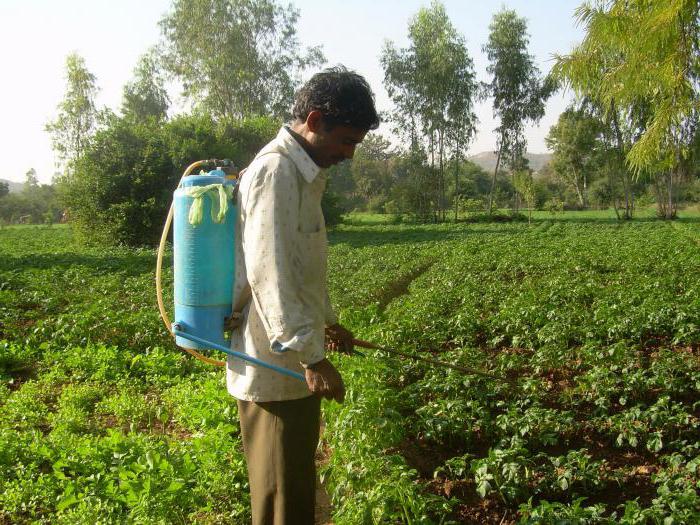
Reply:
x=204, y=212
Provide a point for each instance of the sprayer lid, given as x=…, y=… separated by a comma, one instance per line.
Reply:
x=201, y=180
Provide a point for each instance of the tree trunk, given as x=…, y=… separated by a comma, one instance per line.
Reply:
x=611, y=181
x=671, y=212
x=441, y=152
x=493, y=181
x=456, y=199
x=579, y=195
x=621, y=160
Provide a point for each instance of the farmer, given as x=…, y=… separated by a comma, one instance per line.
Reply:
x=282, y=312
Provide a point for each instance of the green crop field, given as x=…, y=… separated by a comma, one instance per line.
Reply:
x=596, y=324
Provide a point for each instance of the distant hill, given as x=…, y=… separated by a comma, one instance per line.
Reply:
x=487, y=160
x=14, y=186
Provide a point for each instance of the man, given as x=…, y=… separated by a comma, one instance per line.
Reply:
x=281, y=292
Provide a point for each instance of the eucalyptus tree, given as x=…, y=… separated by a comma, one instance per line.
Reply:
x=145, y=96
x=519, y=93
x=432, y=85
x=77, y=116
x=236, y=58
x=656, y=61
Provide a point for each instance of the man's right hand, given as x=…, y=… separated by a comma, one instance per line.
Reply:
x=324, y=380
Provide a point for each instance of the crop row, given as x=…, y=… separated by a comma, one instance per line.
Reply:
x=598, y=327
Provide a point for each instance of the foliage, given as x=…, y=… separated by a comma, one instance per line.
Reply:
x=236, y=58
x=122, y=187
x=432, y=85
x=596, y=322
x=145, y=96
x=653, y=48
x=75, y=123
x=517, y=90
x=35, y=204
x=573, y=140
x=525, y=186
x=370, y=168
x=332, y=212
x=552, y=309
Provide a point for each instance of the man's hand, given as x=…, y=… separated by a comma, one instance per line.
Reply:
x=324, y=380
x=339, y=339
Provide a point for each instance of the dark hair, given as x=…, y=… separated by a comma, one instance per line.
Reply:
x=341, y=95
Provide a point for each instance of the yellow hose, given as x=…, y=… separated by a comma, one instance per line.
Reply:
x=159, y=272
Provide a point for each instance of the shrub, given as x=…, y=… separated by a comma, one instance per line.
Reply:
x=121, y=188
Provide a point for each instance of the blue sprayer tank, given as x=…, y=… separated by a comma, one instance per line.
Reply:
x=204, y=262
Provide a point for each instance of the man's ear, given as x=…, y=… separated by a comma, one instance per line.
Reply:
x=314, y=121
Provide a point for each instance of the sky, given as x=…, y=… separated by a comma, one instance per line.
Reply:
x=38, y=35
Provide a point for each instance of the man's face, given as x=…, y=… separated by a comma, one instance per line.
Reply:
x=334, y=145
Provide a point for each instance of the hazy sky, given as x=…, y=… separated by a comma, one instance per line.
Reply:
x=37, y=36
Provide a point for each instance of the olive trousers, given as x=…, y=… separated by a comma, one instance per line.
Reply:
x=279, y=441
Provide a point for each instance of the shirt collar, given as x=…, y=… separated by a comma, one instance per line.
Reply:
x=308, y=168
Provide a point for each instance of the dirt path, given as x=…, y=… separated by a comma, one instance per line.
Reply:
x=323, y=502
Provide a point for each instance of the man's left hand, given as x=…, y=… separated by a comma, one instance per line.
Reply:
x=339, y=339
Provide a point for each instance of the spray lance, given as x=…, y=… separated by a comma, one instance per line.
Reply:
x=204, y=215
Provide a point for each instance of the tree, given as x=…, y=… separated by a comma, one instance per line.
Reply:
x=574, y=141
x=656, y=53
x=146, y=96
x=71, y=131
x=370, y=167
x=518, y=91
x=123, y=185
x=412, y=191
x=525, y=186
x=31, y=181
x=432, y=85
x=4, y=188
x=236, y=58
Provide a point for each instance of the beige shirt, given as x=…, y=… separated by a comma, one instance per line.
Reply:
x=281, y=250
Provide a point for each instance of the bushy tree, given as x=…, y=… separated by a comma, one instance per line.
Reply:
x=574, y=142
x=413, y=192
x=370, y=167
x=122, y=186
x=145, y=96
x=236, y=58
x=642, y=54
x=31, y=180
x=525, y=186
